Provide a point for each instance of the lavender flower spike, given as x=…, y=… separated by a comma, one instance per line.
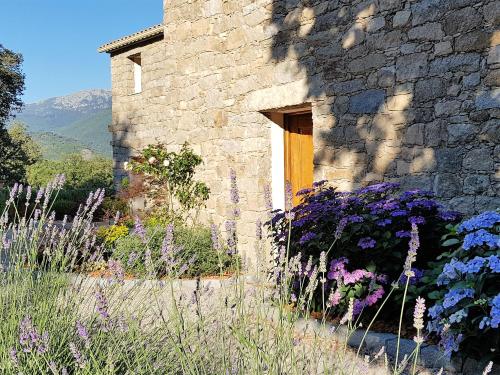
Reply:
x=414, y=244
x=418, y=319
x=81, y=330
x=235, y=196
x=79, y=357
x=139, y=229
x=102, y=304
x=167, y=246
x=215, y=237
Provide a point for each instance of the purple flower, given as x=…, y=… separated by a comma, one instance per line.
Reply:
x=354, y=219
x=372, y=298
x=132, y=258
x=235, y=196
x=416, y=220
x=418, y=274
x=288, y=196
x=449, y=215
x=215, y=237
x=305, y=191
x=258, y=230
x=307, y=237
x=30, y=339
x=101, y=304
x=403, y=233
x=81, y=330
x=422, y=203
x=397, y=213
x=268, y=197
x=413, y=245
x=167, y=247
x=77, y=355
x=116, y=270
x=383, y=222
x=367, y=242
x=318, y=184
x=379, y=188
x=13, y=357
x=139, y=229
x=340, y=228
x=231, y=236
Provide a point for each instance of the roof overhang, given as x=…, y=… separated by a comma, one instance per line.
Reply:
x=127, y=41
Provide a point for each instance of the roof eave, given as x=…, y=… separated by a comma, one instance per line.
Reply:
x=140, y=36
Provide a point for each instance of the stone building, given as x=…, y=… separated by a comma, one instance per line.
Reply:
x=346, y=90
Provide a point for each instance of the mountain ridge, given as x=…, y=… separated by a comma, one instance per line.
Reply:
x=79, y=119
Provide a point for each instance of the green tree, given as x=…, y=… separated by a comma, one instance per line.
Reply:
x=15, y=153
x=18, y=152
x=11, y=84
x=81, y=174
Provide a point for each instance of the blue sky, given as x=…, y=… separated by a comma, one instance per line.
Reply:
x=59, y=39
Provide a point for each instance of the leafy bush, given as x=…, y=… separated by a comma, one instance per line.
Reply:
x=363, y=236
x=193, y=248
x=169, y=179
x=109, y=235
x=466, y=313
x=82, y=177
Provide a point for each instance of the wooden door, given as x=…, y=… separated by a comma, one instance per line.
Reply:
x=299, y=152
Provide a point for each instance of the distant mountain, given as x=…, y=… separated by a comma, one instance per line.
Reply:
x=80, y=119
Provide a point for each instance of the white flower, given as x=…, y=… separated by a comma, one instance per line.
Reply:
x=152, y=160
x=165, y=163
x=322, y=262
x=418, y=313
x=126, y=166
x=488, y=368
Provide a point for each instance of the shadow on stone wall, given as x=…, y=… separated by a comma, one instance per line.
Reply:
x=409, y=91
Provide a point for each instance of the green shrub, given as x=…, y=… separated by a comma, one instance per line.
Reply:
x=169, y=180
x=363, y=236
x=82, y=177
x=195, y=243
x=466, y=290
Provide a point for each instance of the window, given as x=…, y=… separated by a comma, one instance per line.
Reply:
x=136, y=59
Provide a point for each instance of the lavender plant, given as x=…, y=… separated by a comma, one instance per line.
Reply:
x=59, y=321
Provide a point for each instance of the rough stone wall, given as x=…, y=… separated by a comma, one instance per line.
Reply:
x=400, y=90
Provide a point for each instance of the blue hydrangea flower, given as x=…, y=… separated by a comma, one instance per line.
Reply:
x=436, y=311
x=474, y=265
x=485, y=220
x=458, y=316
x=494, y=263
x=495, y=311
x=451, y=271
x=450, y=343
x=479, y=238
x=456, y=295
x=485, y=322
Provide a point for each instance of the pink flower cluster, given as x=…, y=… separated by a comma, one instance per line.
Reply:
x=343, y=277
x=340, y=274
